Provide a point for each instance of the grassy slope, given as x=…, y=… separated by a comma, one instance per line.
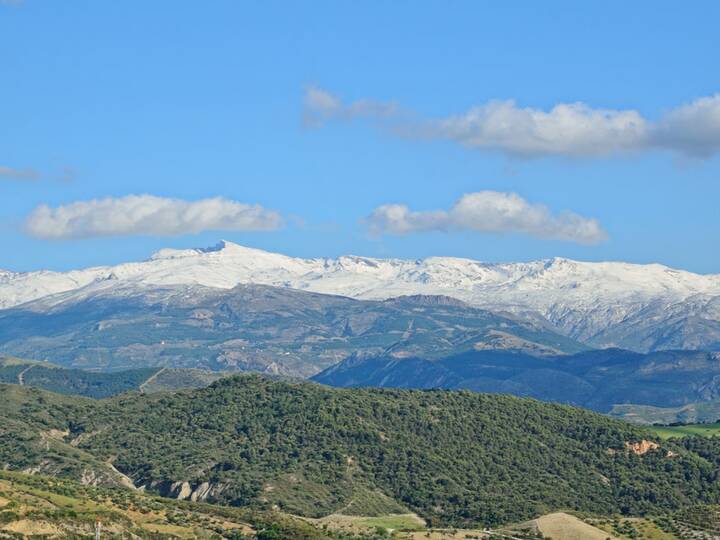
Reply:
x=41, y=505
x=71, y=381
x=176, y=378
x=44, y=506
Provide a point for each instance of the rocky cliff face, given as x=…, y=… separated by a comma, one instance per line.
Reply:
x=184, y=490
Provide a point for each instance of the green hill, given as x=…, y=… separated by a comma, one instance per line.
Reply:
x=455, y=458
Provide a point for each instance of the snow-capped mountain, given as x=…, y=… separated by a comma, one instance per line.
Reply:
x=642, y=307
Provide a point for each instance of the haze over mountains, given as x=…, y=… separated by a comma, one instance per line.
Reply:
x=636, y=307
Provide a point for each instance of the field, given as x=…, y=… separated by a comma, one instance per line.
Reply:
x=393, y=522
x=704, y=430
x=364, y=525
x=561, y=526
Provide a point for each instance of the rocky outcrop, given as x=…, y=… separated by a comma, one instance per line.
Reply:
x=184, y=490
x=642, y=447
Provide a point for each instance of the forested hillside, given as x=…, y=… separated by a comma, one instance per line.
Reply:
x=454, y=457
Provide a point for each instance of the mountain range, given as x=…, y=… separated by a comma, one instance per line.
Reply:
x=545, y=329
x=608, y=304
x=157, y=342
x=599, y=380
x=254, y=328
x=663, y=387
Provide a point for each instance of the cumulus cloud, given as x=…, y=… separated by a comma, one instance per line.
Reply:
x=18, y=174
x=147, y=215
x=567, y=129
x=693, y=128
x=488, y=212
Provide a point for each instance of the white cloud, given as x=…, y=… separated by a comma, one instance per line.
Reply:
x=19, y=174
x=567, y=129
x=693, y=128
x=147, y=215
x=488, y=212
x=321, y=105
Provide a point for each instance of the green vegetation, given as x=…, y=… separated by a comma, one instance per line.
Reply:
x=71, y=381
x=685, y=430
x=37, y=506
x=455, y=458
x=396, y=522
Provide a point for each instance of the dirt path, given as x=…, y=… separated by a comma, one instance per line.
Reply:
x=21, y=375
x=150, y=379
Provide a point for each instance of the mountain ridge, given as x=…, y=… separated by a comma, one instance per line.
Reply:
x=599, y=379
x=602, y=304
x=252, y=327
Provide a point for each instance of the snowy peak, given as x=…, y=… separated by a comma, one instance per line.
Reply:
x=537, y=284
x=587, y=301
x=222, y=248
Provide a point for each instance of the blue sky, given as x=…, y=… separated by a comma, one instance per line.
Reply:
x=185, y=101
